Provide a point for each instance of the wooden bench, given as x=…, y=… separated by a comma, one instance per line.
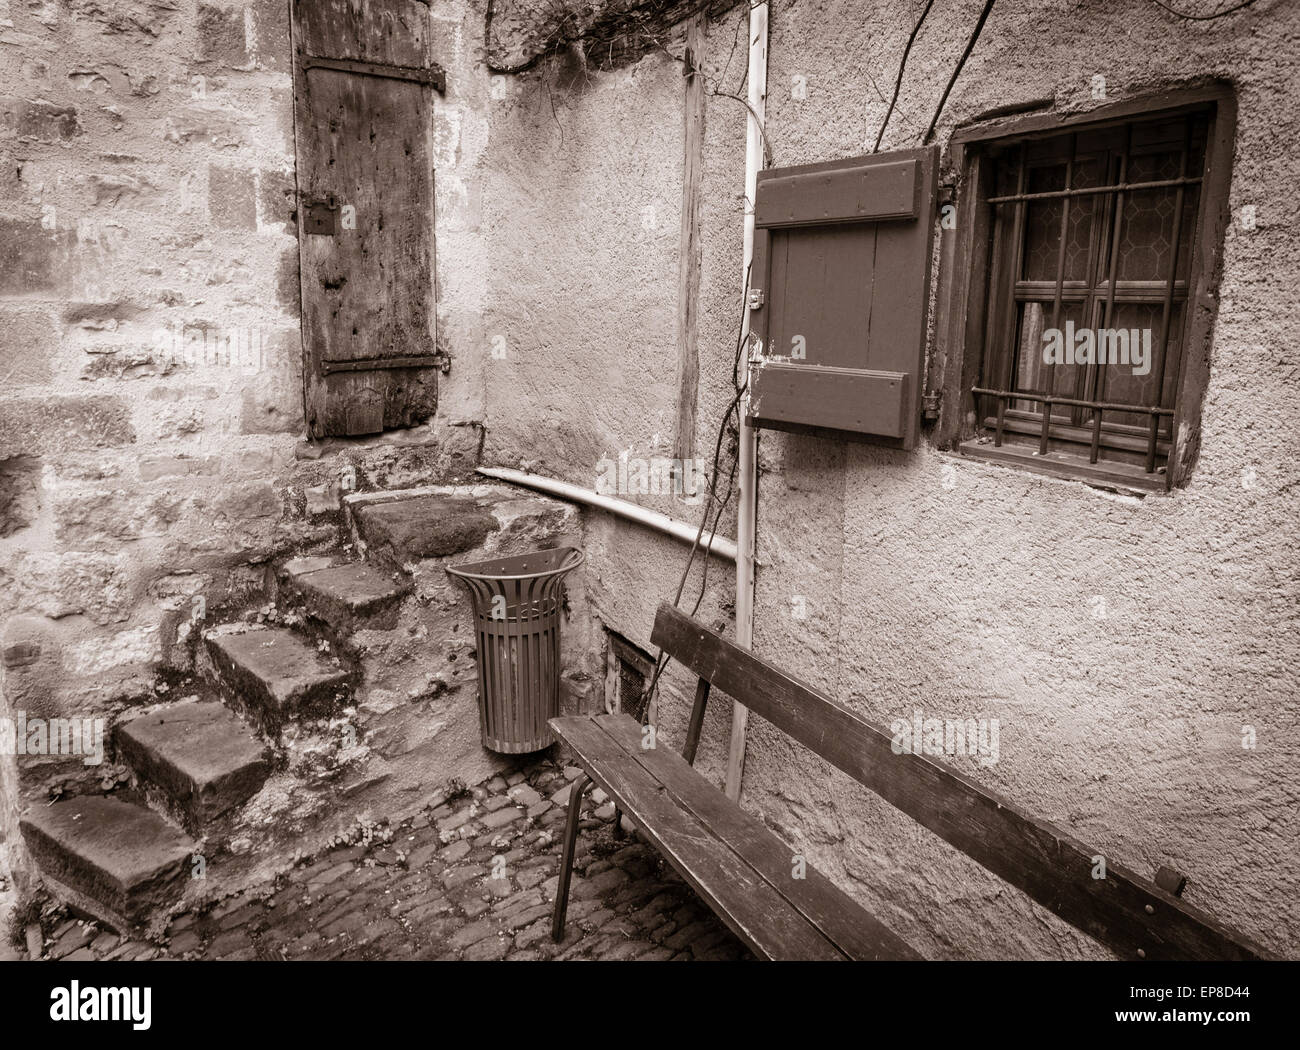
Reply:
x=745, y=873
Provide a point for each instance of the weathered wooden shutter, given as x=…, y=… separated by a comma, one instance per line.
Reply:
x=362, y=95
x=839, y=289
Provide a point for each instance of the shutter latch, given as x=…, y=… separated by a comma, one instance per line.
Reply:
x=321, y=216
x=756, y=298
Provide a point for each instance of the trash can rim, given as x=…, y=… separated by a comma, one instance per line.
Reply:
x=575, y=558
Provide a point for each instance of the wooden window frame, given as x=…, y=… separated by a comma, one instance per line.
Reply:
x=966, y=259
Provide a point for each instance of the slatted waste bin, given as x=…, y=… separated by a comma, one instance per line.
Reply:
x=517, y=614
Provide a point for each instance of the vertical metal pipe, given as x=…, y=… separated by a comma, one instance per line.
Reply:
x=748, y=452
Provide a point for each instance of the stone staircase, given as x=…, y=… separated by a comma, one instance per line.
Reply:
x=259, y=724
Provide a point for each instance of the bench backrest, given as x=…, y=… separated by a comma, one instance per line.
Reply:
x=1129, y=914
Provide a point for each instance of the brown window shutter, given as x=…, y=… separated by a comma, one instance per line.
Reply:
x=841, y=265
x=362, y=91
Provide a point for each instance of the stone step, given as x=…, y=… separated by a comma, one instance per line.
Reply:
x=425, y=526
x=112, y=859
x=200, y=754
x=350, y=597
x=276, y=673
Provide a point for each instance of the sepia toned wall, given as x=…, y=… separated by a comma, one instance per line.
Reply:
x=148, y=156
x=932, y=582
x=148, y=311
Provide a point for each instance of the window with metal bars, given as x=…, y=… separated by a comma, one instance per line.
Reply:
x=1095, y=251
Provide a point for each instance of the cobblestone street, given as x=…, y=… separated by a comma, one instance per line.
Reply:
x=472, y=879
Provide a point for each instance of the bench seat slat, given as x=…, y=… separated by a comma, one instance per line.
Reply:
x=743, y=899
x=855, y=931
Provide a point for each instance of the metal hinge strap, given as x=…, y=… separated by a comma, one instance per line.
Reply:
x=366, y=364
x=433, y=75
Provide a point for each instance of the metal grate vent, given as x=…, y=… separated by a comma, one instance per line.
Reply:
x=627, y=670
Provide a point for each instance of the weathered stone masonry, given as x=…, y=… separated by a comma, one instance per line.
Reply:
x=148, y=297
x=155, y=486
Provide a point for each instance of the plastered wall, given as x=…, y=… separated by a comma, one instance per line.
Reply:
x=1121, y=642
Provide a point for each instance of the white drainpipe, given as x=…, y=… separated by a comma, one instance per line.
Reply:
x=745, y=525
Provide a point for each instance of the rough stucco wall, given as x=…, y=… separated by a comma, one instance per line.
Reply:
x=540, y=241
x=932, y=581
x=581, y=190
x=974, y=592
x=584, y=236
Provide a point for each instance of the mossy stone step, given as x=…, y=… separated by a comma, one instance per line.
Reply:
x=276, y=673
x=351, y=597
x=116, y=860
x=200, y=754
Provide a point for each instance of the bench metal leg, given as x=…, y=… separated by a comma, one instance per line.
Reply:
x=619, y=833
x=566, y=860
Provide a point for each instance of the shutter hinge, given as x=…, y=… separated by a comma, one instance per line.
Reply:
x=439, y=359
x=432, y=75
x=930, y=406
x=1170, y=881
x=756, y=298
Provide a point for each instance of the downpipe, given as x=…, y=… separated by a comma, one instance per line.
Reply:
x=748, y=439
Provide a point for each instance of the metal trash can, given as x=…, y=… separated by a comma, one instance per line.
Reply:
x=517, y=613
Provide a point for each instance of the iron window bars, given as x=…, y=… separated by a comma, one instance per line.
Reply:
x=1095, y=226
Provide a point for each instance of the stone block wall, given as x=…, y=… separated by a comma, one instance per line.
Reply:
x=152, y=461
x=150, y=390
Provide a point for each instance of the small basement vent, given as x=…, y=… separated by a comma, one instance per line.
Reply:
x=627, y=670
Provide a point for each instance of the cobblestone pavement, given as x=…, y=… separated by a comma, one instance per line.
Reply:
x=473, y=879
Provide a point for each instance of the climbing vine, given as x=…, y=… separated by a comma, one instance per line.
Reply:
x=603, y=34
